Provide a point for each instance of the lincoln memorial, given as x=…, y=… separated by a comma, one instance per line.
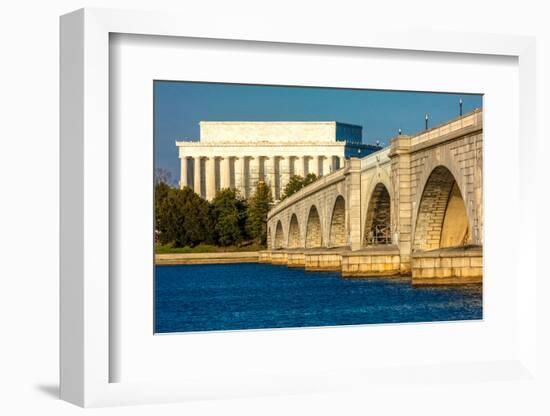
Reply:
x=238, y=154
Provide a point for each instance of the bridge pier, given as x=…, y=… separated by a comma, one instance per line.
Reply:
x=296, y=259
x=264, y=256
x=455, y=265
x=279, y=257
x=354, y=202
x=401, y=179
x=323, y=260
x=372, y=262
x=383, y=261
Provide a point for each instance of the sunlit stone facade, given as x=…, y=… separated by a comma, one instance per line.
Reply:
x=238, y=154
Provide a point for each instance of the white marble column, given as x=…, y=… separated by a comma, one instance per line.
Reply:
x=246, y=175
x=197, y=175
x=299, y=166
x=291, y=166
x=284, y=172
x=275, y=181
x=210, y=178
x=269, y=174
x=261, y=175
x=314, y=164
x=327, y=165
x=225, y=172
x=240, y=175
x=183, y=173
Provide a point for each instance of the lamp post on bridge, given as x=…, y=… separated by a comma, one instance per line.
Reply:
x=426, y=122
x=460, y=105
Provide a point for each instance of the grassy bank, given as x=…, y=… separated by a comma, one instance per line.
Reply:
x=206, y=248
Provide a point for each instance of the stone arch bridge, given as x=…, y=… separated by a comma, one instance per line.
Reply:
x=414, y=207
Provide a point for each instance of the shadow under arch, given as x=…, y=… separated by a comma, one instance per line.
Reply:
x=378, y=218
x=442, y=219
x=294, y=233
x=279, y=238
x=313, y=229
x=337, y=236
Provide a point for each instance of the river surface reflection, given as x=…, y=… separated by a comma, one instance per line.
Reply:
x=253, y=296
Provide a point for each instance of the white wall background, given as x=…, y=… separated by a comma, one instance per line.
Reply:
x=29, y=199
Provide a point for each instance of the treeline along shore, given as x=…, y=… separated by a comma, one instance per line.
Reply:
x=227, y=229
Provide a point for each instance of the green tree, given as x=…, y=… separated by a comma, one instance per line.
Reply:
x=228, y=216
x=161, y=192
x=258, y=207
x=296, y=183
x=182, y=218
x=310, y=177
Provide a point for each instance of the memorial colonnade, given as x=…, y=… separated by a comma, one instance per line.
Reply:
x=208, y=168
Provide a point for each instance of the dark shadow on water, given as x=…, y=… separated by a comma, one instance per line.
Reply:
x=51, y=390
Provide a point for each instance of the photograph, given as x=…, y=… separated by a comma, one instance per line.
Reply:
x=292, y=207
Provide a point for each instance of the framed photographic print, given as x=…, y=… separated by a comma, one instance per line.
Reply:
x=316, y=196
x=287, y=214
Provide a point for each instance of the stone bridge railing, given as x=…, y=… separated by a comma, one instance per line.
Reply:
x=376, y=159
x=321, y=183
x=472, y=120
x=318, y=215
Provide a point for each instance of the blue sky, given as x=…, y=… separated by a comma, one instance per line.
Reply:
x=179, y=106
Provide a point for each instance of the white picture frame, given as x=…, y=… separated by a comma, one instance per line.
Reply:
x=86, y=356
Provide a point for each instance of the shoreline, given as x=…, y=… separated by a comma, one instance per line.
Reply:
x=207, y=258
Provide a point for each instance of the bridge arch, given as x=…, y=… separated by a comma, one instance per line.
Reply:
x=294, y=238
x=279, y=236
x=378, y=218
x=314, y=235
x=337, y=236
x=442, y=219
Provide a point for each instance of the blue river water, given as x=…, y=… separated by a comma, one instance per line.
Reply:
x=253, y=296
